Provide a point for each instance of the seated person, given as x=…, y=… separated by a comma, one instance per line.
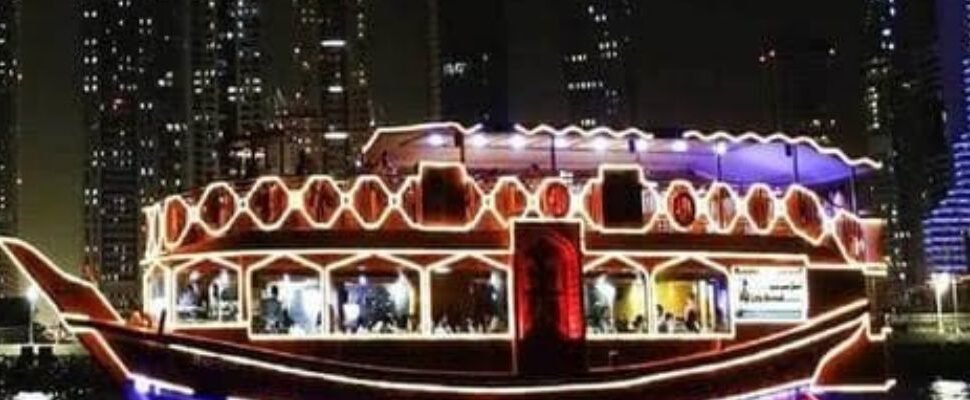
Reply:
x=271, y=311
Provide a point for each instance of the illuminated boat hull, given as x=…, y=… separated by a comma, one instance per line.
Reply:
x=835, y=351
x=730, y=289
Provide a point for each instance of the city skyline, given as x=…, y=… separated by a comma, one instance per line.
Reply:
x=57, y=226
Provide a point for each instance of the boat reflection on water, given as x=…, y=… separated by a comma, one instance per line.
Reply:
x=939, y=389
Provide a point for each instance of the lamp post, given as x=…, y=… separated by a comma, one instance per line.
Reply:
x=940, y=282
x=32, y=300
x=956, y=302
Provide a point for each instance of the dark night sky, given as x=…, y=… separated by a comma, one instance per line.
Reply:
x=697, y=69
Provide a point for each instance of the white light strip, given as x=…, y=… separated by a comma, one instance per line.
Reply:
x=781, y=137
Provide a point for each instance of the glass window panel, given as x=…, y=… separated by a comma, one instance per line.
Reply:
x=469, y=298
x=616, y=301
x=287, y=300
x=375, y=299
x=207, y=292
x=688, y=303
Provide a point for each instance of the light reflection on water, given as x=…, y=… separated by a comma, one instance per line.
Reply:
x=949, y=390
x=940, y=389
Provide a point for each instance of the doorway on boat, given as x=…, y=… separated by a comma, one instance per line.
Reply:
x=691, y=298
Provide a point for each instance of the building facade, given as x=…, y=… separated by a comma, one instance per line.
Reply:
x=469, y=62
x=946, y=229
x=228, y=96
x=135, y=118
x=598, y=50
x=798, y=84
x=10, y=75
x=173, y=98
x=331, y=53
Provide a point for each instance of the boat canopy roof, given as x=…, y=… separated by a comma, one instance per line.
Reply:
x=741, y=159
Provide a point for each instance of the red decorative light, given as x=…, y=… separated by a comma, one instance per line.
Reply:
x=681, y=206
x=555, y=200
x=761, y=208
x=176, y=220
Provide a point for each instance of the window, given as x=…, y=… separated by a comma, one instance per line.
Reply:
x=469, y=297
x=375, y=297
x=156, y=293
x=616, y=299
x=207, y=292
x=691, y=297
x=287, y=299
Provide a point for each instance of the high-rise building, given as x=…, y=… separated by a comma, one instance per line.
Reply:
x=904, y=126
x=947, y=229
x=228, y=104
x=798, y=79
x=597, y=50
x=331, y=52
x=9, y=134
x=469, y=62
x=135, y=124
x=172, y=97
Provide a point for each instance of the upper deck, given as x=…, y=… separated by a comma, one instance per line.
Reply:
x=697, y=192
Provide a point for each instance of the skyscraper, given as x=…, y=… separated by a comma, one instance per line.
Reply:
x=947, y=229
x=469, y=62
x=133, y=127
x=228, y=104
x=172, y=97
x=331, y=52
x=597, y=51
x=798, y=83
x=902, y=101
x=9, y=133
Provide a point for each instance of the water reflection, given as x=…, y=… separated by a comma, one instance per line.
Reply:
x=939, y=389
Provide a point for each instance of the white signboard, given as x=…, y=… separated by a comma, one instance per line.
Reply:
x=770, y=294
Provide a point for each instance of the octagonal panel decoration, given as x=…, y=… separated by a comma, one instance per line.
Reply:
x=269, y=201
x=409, y=199
x=681, y=205
x=321, y=200
x=805, y=213
x=510, y=199
x=370, y=200
x=722, y=207
x=176, y=219
x=761, y=208
x=650, y=204
x=473, y=200
x=217, y=207
x=851, y=237
x=554, y=199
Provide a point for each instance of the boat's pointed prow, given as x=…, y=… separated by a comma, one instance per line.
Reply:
x=71, y=296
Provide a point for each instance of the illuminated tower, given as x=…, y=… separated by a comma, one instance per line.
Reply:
x=947, y=228
x=9, y=132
